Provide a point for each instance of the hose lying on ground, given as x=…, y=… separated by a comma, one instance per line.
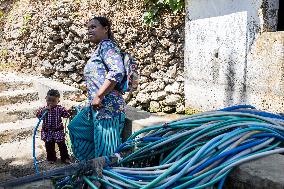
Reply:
x=34, y=137
x=198, y=151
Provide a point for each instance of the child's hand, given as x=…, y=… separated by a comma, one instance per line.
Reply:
x=72, y=111
x=46, y=109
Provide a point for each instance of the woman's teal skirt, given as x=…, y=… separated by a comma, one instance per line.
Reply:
x=91, y=138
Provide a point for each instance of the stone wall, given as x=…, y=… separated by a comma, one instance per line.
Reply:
x=48, y=37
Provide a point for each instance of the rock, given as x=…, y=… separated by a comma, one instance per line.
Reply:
x=168, y=109
x=67, y=81
x=80, y=64
x=172, y=49
x=180, y=108
x=154, y=106
x=83, y=86
x=143, y=86
x=71, y=57
x=143, y=79
x=148, y=70
x=127, y=96
x=30, y=51
x=171, y=100
x=180, y=78
x=171, y=73
x=133, y=103
x=158, y=96
x=143, y=98
x=46, y=68
x=173, y=88
x=163, y=58
x=15, y=34
x=165, y=42
x=155, y=86
x=61, y=75
x=158, y=75
x=59, y=47
x=76, y=77
x=54, y=24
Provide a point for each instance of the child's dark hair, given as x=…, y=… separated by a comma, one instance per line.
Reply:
x=53, y=92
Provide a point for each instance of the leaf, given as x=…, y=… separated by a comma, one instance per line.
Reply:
x=172, y=4
x=156, y=6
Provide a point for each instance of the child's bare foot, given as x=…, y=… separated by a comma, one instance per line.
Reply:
x=67, y=161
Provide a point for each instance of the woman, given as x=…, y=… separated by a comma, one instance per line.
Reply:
x=95, y=131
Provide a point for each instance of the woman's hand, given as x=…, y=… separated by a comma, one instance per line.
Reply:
x=97, y=102
x=105, y=89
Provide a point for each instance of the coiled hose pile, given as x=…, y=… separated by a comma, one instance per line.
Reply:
x=198, y=151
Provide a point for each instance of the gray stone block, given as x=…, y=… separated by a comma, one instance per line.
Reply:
x=264, y=173
x=42, y=85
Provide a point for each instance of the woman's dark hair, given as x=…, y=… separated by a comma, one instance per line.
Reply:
x=53, y=92
x=105, y=23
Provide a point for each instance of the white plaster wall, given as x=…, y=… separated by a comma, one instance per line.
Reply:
x=265, y=76
x=219, y=35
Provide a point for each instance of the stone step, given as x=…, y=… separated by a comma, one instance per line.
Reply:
x=14, y=81
x=15, y=131
x=18, y=96
x=19, y=111
x=25, y=110
x=19, y=130
x=14, y=85
x=42, y=85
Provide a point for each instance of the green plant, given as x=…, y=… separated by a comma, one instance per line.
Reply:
x=27, y=17
x=4, y=66
x=77, y=1
x=4, y=53
x=1, y=14
x=155, y=7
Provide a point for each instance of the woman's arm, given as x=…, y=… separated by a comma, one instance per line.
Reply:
x=113, y=61
x=105, y=89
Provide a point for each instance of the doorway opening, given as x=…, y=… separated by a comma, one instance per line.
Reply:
x=280, y=25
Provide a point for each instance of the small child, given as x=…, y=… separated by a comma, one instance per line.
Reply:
x=52, y=129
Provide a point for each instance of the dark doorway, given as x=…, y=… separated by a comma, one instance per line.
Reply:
x=280, y=26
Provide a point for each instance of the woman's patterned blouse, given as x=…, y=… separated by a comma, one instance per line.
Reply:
x=105, y=63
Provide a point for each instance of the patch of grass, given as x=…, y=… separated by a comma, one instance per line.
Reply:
x=77, y=1
x=25, y=28
x=190, y=111
x=27, y=18
x=8, y=66
x=4, y=53
x=1, y=14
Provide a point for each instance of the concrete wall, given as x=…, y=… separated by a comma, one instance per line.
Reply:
x=265, y=75
x=219, y=36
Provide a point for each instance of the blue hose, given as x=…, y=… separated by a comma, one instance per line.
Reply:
x=34, y=134
x=194, y=152
x=242, y=106
x=222, y=155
